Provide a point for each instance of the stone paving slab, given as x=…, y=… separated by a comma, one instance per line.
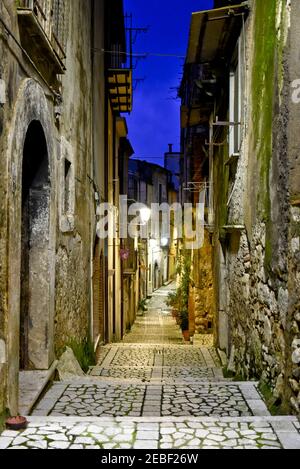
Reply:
x=93, y=397
x=157, y=433
x=153, y=391
x=164, y=374
x=141, y=356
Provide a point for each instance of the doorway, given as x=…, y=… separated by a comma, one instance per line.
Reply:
x=35, y=257
x=156, y=274
x=223, y=323
x=98, y=294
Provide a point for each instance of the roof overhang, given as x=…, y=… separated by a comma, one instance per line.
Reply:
x=213, y=33
x=120, y=89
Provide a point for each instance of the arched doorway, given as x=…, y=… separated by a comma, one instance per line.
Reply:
x=35, y=275
x=30, y=143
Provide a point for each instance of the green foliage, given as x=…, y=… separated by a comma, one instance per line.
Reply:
x=180, y=299
x=172, y=299
x=143, y=305
x=3, y=416
x=184, y=320
x=84, y=353
x=267, y=82
x=274, y=405
x=236, y=378
x=263, y=80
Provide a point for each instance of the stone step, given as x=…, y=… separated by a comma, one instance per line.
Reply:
x=155, y=433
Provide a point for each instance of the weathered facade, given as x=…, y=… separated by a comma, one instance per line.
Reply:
x=59, y=144
x=195, y=189
x=251, y=121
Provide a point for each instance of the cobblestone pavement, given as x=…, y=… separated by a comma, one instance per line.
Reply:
x=154, y=392
x=120, y=398
x=151, y=433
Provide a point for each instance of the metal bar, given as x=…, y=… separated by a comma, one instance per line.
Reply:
x=225, y=124
x=227, y=16
x=59, y=45
x=37, y=3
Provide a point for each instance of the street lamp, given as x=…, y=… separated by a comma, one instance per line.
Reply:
x=145, y=215
x=164, y=242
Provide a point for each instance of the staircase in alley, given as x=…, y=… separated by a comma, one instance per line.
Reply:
x=152, y=391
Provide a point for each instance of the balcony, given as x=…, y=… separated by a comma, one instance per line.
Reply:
x=120, y=89
x=42, y=31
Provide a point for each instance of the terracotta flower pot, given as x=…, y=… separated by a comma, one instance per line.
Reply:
x=16, y=423
x=186, y=335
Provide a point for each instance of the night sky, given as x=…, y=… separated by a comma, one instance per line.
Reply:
x=155, y=120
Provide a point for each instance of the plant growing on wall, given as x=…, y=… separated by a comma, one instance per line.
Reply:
x=84, y=352
x=179, y=300
x=143, y=305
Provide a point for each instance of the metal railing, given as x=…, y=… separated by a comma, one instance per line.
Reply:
x=51, y=17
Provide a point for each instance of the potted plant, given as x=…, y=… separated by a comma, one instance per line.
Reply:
x=16, y=423
x=184, y=324
x=173, y=302
x=184, y=271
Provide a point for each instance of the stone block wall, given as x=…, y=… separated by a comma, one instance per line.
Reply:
x=204, y=306
x=73, y=255
x=68, y=128
x=262, y=259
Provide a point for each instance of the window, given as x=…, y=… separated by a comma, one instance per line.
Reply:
x=135, y=190
x=67, y=185
x=160, y=192
x=59, y=25
x=236, y=94
x=143, y=194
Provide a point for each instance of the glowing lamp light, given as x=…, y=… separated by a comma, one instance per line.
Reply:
x=164, y=242
x=145, y=214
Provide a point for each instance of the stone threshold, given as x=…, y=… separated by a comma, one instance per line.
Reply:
x=284, y=419
x=31, y=386
x=150, y=345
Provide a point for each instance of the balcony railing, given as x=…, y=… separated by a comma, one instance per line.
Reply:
x=120, y=89
x=46, y=19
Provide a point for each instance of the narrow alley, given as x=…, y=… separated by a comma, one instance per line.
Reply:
x=149, y=225
x=152, y=391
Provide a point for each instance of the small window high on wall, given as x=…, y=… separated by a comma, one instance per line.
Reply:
x=67, y=188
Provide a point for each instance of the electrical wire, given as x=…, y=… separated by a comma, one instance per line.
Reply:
x=140, y=55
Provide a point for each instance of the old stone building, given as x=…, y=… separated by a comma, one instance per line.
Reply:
x=247, y=69
x=61, y=137
x=195, y=186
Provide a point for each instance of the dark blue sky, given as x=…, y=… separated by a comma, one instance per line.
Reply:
x=155, y=120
